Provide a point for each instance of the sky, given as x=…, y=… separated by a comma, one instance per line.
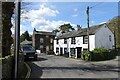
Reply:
x=47, y=16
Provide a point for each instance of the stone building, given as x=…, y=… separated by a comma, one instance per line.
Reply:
x=43, y=41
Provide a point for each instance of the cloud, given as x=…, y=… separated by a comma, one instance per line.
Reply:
x=47, y=25
x=38, y=19
x=75, y=15
x=23, y=28
x=75, y=9
x=43, y=11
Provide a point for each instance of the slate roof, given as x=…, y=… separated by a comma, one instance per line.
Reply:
x=82, y=32
x=44, y=33
x=26, y=42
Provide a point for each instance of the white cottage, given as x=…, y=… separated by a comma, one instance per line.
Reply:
x=72, y=43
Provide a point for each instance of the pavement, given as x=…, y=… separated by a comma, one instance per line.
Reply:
x=50, y=66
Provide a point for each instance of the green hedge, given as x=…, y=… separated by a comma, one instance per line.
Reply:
x=7, y=66
x=98, y=54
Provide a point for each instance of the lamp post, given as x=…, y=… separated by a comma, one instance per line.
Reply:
x=17, y=37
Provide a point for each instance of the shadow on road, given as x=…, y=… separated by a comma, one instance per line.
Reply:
x=81, y=68
x=35, y=70
x=38, y=59
x=41, y=59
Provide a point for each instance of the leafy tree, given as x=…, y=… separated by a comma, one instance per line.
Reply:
x=78, y=27
x=55, y=31
x=7, y=12
x=24, y=36
x=66, y=28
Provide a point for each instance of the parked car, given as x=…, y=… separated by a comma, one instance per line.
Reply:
x=29, y=52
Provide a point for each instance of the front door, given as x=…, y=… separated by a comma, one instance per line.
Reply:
x=61, y=51
x=79, y=52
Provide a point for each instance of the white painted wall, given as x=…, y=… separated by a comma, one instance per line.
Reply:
x=92, y=42
x=79, y=43
x=102, y=38
x=60, y=45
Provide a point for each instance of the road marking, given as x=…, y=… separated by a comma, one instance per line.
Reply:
x=29, y=70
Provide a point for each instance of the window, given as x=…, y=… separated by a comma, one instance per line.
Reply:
x=73, y=40
x=41, y=46
x=47, y=36
x=41, y=40
x=110, y=38
x=57, y=41
x=57, y=50
x=72, y=50
x=51, y=40
x=65, y=50
x=65, y=41
x=51, y=47
x=85, y=39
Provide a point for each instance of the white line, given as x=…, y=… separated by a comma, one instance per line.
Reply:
x=29, y=70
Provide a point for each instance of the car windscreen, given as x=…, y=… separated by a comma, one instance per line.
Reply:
x=28, y=48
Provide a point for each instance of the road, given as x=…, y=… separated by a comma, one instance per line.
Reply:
x=50, y=66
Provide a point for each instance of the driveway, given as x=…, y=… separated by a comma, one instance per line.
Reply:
x=50, y=66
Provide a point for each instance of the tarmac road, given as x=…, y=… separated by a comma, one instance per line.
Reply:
x=50, y=66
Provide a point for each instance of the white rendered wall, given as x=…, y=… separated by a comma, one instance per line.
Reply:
x=102, y=38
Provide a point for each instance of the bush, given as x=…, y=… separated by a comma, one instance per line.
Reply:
x=86, y=55
x=7, y=64
x=98, y=54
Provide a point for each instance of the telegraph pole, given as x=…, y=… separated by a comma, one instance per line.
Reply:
x=88, y=26
x=17, y=38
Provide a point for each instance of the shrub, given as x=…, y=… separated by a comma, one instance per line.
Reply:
x=98, y=54
x=112, y=54
x=86, y=55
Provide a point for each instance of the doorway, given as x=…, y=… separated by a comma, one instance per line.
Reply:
x=79, y=52
x=61, y=51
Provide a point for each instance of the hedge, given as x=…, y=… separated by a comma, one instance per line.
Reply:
x=98, y=54
x=7, y=66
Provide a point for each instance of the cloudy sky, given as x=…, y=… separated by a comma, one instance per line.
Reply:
x=47, y=16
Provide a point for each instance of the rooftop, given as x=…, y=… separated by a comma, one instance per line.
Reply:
x=81, y=32
x=44, y=33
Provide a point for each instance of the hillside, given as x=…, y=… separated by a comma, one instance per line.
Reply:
x=114, y=25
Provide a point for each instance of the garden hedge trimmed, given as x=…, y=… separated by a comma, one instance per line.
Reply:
x=98, y=54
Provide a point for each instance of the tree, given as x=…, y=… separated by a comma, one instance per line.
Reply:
x=7, y=12
x=55, y=31
x=78, y=27
x=66, y=28
x=24, y=36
